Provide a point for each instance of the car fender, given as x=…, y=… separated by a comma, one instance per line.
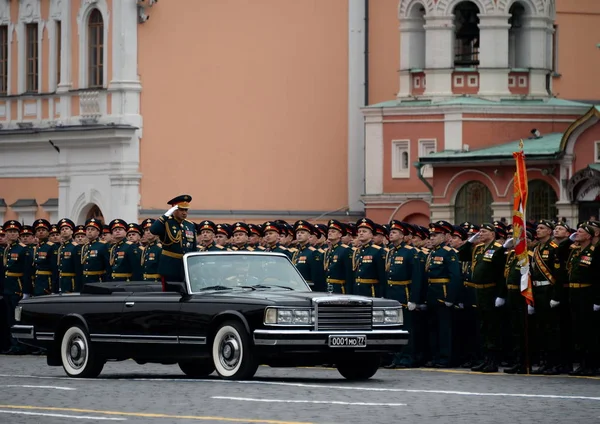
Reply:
x=229, y=314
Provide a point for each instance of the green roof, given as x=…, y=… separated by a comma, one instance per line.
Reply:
x=477, y=101
x=547, y=146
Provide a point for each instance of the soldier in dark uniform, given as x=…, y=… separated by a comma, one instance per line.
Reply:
x=444, y=282
x=547, y=277
x=177, y=236
x=54, y=236
x=241, y=234
x=207, y=231
x=134, y=233
x=562, y=231
x=584, y=299
x=69, y=259
x=380, y=236
x=272, y=232
x=404, y=272
x=255, y=236
x=80, y=235
x=95, y=257
x=125, y=256
x=368, y=262
x=488, y=261
x=151, y=253
x=222, y=235
x=27, y=237
x=323, y=235
x=338, y=260
x=17, y=267
x=45, y=261
x=106, y=236
x=307, y=258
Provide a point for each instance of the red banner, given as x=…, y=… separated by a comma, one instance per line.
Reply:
x=519, y=220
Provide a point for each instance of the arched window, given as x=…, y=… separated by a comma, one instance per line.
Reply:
x=466, y=36
x=473, y=204
x=96, y=49
x=541, y=201
x=517, y=54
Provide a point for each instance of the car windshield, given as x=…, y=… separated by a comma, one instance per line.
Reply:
x=231, y=271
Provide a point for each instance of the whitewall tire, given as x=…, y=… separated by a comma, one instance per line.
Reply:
x=232, y=352
x=76, y=354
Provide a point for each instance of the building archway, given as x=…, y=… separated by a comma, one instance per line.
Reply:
x=473, y=203
x=91, y=210
x=541, y=201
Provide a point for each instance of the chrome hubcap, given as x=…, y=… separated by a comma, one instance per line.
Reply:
x=230, y=349
x=76, y=351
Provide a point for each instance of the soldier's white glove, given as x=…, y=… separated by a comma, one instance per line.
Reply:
x=596, y=308
x=423, y=307
x=554, y=303
x=25, y=296
x=411, y=306
x=500, y=302
x=170, y=211
x=449, y=304
x=473, y=238
x=572, y=237
x=508, y=243
x=530, y=310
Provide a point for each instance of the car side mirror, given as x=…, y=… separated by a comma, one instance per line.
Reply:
x=176, y=286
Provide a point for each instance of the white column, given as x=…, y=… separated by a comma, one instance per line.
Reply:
x=374, y=154
x=125, y=85
x=439, y=55
x=493, y=55
x=535, y=33
x=442, y=212
x=569, y=211
x=356, y=100
x=64, y=182
x=502, y=210
x=412, y=51
x=453, y=132
x=2, y=210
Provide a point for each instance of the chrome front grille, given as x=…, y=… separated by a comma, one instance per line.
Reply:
x=343, y=315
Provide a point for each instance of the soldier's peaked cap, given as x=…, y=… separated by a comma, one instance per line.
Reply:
x=27, y=229
x=366, y=223
x=42, y=223
x=337, y=225
x=183, y=201
x=117, y=223
x=12, y=225
x=80, y=229
x=547, y=223
x=94, y=223
x=207, y=225
x=441, y=227
x=240, y=226
x=304, y=225
x=271, y=226
x=66, y=222
x=132, y=227
x=147, y=223
x=400, y=226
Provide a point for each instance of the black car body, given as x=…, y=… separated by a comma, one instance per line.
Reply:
x=236, y=310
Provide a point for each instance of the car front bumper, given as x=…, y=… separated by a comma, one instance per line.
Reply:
x=376, y=339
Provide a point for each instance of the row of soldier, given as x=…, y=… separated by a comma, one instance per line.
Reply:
x=457, y=283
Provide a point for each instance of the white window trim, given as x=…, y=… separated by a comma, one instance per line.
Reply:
x=82, y=28
x=512, y=81
x=5, y=20
x=475, y=80
x=417, y=82
x=34, y=17
x=399, y=147
x=424, y=143
x=458, y=78
x=596, y=151
x=522, y=81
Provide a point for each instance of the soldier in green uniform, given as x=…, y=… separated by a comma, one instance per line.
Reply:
x=207, y=231
x=54, y=236
x=488, y=261
x=562, y=231
x=95, y=257
x=547, y=277
x=125, y=256
x=323, y=236
x=69, y=259
x=584, y=299
x=403, y=267
x=255, y=237
x=443, y=276
x=151, y=253
x=134, y=233
x=241, y=235
x=307, y=258
x=17, y=263
x=27, y=237
x=368, y=262
x=177, y=236
x=80, y=235
x=106, y=236
x=45, y=261
x=272, y=231
x=338, y=260
x=222, y=235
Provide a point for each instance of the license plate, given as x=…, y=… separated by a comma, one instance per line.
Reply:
x=347, y=341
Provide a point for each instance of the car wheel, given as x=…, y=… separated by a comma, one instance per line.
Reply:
x=77, y=356
x=197, y=369
x=232, y=352
x=359, y=367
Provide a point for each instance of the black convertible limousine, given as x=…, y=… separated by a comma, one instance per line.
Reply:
x=235, y=311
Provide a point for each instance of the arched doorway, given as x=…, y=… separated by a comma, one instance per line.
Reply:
x=541, y=201
x=90, y=211
x=473, y=204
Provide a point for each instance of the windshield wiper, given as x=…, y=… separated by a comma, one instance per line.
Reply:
x=215, y=288
x=270, y=286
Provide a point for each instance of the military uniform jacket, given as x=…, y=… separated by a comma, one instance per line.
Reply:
x=177, y=239
x=309, y=262
x=151, y=255
x=487, y=265
x=403, y=267
x=125, y=261
x=467, y=294
x=244, y=248
x=69, y=267
x=337, y=262
x=442, y=269
x=583, y=268
x=546, y=266
x=278, y=248
x=17, y=263
x=368, y=263
x=212, y=247
x=45, y=264
x=95, y=262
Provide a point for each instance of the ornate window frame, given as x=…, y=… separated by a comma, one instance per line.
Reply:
x=83, y=34
x=29, y=13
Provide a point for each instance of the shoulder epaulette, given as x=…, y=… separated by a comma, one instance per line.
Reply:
x=409, y=247
x=387, y=249
x=321, y=250
x=344, y=245
x=75, y=244
x=129, y=242
x=49, y=243
x=311, y=248
x=283, y=248
x=260, y=248
x=187, y=220
x=496, y=244
x=553, y=244
x=102, y=241
x=592, y=248
x=376, y=247
x=142, y=248
x=22, y=244
x=251, y=249
x=291, y=249
x=218, y=246
x=448, y=248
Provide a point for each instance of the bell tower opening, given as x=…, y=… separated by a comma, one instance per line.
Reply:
x=516, y=46
x=466, y=35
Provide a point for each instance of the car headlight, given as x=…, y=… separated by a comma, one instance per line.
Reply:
x=387, y=316
x=288, y=316
x=18, y=311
